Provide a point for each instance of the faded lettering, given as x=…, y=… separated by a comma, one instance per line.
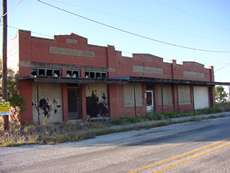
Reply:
x=194, y=75
x=147, y=70
x=70, y=52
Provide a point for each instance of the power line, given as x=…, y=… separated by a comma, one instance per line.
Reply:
x=132, y=33
x=123, y=51
x=42, y=34
x=171, y=27
x=46, y=35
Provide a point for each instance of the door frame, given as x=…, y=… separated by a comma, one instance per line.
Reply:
x=153, y=101
x=79, y=102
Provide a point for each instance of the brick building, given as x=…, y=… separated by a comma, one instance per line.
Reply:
x=66, y=78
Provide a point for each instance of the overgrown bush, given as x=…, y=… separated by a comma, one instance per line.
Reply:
x=155, y=116
x=222, y=106
x=14, y=98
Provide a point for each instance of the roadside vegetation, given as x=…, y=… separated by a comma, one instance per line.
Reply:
x=59, y=133
x=219, y=107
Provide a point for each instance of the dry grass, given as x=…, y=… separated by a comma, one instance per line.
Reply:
x=49, y=134
x=59, y=133
x=1, y=124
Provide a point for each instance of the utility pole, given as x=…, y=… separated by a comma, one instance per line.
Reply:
x=4, y=60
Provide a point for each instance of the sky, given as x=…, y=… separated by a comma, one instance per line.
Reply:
x=202, y=24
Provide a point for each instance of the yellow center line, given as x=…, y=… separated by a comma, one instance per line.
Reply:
x=176, y=157
x=190, y=158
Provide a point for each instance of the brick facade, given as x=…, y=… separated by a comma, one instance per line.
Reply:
x=68, y=54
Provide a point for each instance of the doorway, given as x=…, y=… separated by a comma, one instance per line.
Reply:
x=149, y=100
x=74, y=103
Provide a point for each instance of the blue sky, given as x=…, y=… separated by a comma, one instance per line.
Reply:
x=201, y=24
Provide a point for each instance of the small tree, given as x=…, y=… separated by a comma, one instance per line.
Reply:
x=220, y=94
x=13, y=97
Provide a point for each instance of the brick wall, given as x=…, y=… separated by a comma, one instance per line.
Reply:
x=75, y=52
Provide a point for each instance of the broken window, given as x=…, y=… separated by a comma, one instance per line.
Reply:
x=46, y=72
x=86, y=74
x=34, y=73
x=103, y=75
x=75, y=74
x=41, y=72
x=98, y=75
x=56, y=73
x=49, y=72
x=92, y=75
x=72, y=74
x=68, y=73
x=95, y=75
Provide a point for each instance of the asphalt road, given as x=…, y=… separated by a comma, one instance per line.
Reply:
x=193, y=147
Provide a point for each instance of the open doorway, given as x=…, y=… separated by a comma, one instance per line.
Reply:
x=74, y=104
x=149, y=100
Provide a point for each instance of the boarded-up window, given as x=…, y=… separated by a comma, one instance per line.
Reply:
x=97, y=100
x=184, y=95
x=167, y=95
x=128, y=96
x=139, y=96
x=132, y=94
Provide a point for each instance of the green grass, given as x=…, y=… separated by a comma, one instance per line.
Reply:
x=167, y=115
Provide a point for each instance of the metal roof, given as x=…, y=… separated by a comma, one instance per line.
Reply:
x=124, y=79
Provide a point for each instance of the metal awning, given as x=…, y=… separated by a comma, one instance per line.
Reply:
x=64, y=80
x=170, y=81
x=125, y=79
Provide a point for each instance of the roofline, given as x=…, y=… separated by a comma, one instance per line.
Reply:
x=122, y=79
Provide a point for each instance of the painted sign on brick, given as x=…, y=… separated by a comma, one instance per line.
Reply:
x=147, y=70
x=70, y=52
x=193, y=75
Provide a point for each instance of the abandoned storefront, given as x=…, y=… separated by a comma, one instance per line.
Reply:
x=66, y=78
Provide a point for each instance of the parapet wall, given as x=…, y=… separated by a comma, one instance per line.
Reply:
x=73, y=52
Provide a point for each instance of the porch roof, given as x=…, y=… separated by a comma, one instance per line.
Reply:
x=124, y=79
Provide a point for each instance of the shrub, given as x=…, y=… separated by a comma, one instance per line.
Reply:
x=128, y=120
x=155, y=116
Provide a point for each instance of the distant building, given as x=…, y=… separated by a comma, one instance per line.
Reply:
x=66, y=78
x=229, y=94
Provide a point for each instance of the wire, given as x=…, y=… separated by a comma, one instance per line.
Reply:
x=128, y=18
x=46, y=35
x=132, y=33
x=17, y=28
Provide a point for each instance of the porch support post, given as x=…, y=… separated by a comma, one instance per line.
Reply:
x=83, y=103
x=64, y=102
